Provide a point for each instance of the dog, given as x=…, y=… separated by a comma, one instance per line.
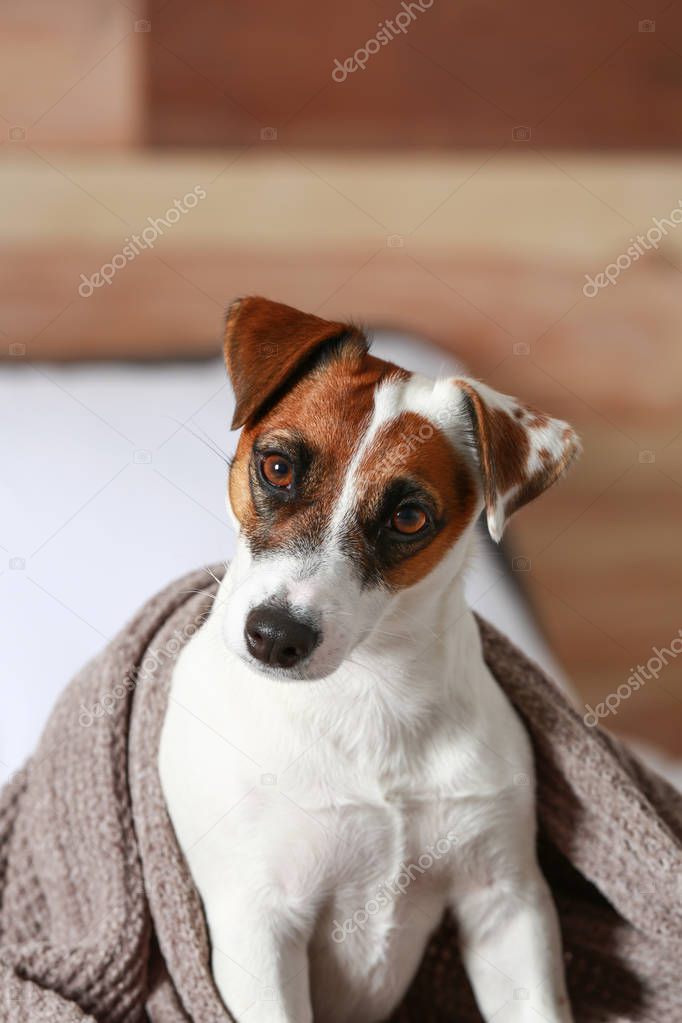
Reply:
x=338, y=763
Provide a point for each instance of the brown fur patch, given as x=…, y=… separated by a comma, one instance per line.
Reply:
x=329, y=408
x=535, y=417
x=412, y=448
x=502, y=443
x=266, y=343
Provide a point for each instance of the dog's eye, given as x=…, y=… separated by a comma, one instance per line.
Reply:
x=409, y=519
x=277, y=471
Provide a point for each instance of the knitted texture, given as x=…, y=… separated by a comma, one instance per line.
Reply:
x=100, y=920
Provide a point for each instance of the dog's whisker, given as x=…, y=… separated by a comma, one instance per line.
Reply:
x=373, y=631
x=204, y=593
x=213, y=576
x=210, y=443
x=206, y=440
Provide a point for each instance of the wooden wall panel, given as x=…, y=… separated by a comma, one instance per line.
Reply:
x=471, y=73
x=71, y=73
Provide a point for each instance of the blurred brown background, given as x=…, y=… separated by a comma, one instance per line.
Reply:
x=461, y=186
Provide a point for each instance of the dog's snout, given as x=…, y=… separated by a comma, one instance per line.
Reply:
x=275, y=637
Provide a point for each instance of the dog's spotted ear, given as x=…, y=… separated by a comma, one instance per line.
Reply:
x=520, y=451
x=267, y=344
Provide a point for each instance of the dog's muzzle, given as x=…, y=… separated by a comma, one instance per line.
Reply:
x=277, y=639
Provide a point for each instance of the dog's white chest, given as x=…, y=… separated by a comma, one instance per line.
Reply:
x=346, y=847
x=355, y=865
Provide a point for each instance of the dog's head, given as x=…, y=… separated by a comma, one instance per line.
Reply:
x=354, y=480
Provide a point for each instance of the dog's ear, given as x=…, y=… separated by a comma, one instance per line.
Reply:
x=266, y=344
x=520, y=451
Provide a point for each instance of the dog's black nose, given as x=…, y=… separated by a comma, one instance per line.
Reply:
x=274, y=637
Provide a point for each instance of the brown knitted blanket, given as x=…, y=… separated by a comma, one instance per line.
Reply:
x=99, y=919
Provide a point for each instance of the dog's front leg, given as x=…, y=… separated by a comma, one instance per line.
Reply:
x=260, y=971
x=511, y=948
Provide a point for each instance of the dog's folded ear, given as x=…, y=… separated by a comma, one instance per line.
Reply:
x=520, y=451
x=267, y=344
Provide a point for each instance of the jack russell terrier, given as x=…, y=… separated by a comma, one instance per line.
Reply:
x=360, y=771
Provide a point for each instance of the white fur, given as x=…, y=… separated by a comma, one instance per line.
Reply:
x=303, y=802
